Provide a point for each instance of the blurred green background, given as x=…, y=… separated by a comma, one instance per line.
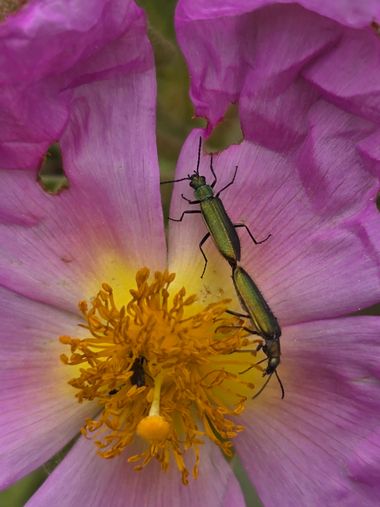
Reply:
x=174, y=121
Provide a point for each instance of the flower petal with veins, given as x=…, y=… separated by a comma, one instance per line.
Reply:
x=39, y=413
x=112, y=210
x=98, y=482
x=304, y=450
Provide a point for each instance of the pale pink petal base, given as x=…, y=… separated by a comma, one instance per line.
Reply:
x=320, y=445
x=85, y=479
x=39, y=413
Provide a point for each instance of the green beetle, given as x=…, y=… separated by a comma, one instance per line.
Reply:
x=218, y=223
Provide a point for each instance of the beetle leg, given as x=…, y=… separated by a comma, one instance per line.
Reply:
x=213, y=173
x=228, y=184
x=204, y=255
x=189, y=200
x=237, y=314
x=183, y=214
x=251, y=235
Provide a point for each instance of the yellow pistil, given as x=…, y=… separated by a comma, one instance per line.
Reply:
x=163, y=371
x=154, y=426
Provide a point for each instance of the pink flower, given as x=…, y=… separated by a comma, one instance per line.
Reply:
x=321, y=263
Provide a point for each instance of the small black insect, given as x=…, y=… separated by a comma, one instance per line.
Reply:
x=138, y=374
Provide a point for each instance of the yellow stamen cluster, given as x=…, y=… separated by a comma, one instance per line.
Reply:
x=161, y=370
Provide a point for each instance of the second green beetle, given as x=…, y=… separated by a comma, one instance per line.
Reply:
x=262, y=317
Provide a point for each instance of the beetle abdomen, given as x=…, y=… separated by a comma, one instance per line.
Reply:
x=221, y=229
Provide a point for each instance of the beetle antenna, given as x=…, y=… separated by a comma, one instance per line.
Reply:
x=252, y=365
x=263, y=387
x=199, y=155
x=281, y=385
x=174, y=181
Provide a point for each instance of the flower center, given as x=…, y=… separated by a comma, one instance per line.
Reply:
x=164, y=372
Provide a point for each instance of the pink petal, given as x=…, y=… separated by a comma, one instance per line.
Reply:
x=318, y=205
x=364, y=465
x=97, y=482
x=346, y=12
x=370, y=149
x=274, y=99
x=59, y=249
x=39, y=411
x=268, y=47
x=46, y=49
x=348, y=75
x=311, y=447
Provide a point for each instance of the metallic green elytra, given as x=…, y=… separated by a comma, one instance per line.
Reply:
x=259, y=312
x=219, y=224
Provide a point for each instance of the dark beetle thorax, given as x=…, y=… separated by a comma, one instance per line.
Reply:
x=197, y=181
x=202, y=191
